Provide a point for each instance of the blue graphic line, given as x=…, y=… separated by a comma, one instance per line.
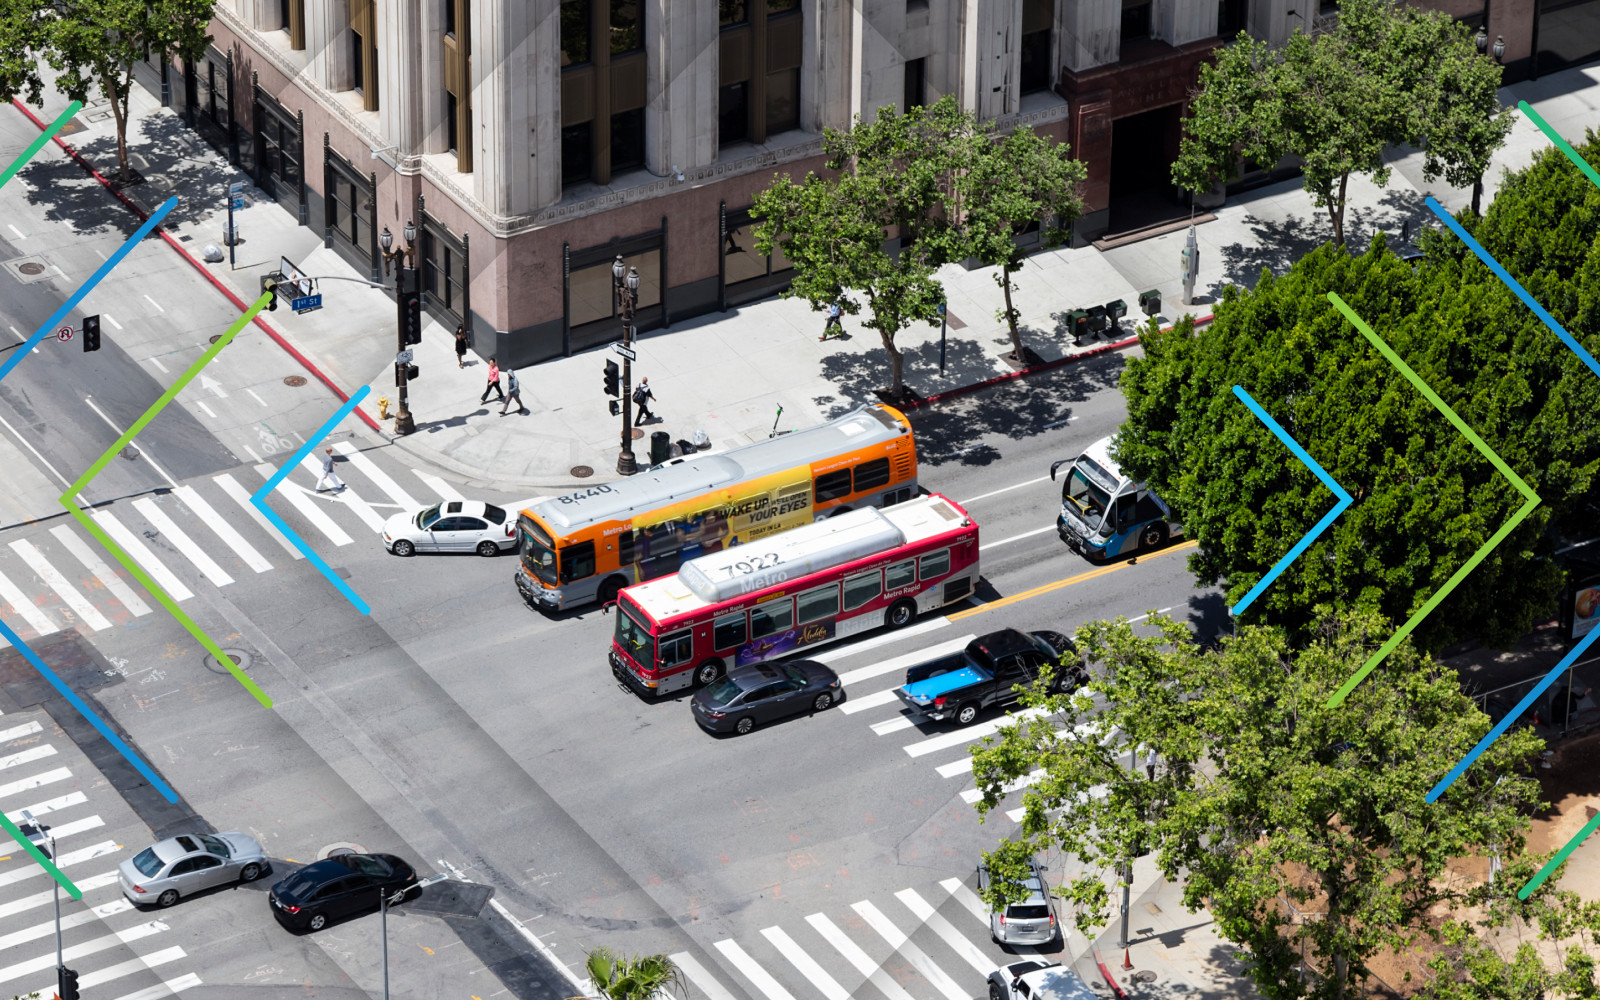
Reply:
x=260, y=500
x=88, y=713
x=1344, y=501
x=1512, y=716
x=49, y=326
x=1511, y=283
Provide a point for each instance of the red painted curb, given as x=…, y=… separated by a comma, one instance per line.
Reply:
x=224, y=289
x=1107, y=974
x=1093, y=352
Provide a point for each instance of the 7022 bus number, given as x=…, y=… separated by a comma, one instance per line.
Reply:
x=745, y=567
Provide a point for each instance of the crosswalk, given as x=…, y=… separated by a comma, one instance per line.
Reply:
x=204, y=529
x=928, y=942
x=109, y=942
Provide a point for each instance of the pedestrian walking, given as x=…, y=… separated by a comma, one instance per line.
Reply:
x=327, y=473
x=833, y=328
x=461, y=345
x=641, y=398
x=513, y=391
x=494, y=383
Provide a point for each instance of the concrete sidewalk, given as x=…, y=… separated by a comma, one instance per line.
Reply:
x=729, y=374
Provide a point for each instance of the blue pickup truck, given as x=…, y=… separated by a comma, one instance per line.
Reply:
x=961, y=685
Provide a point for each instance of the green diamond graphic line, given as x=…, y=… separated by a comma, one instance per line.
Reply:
x=38, y=144
x=122, y=557
x=38, y=855
x=1532, y=499
x=1560, y=143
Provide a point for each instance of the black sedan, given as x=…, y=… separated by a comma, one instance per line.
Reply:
x=763, y=692
x=339, y=886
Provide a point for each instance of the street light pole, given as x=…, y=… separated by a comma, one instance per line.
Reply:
x=383, y=910
x=405, y=281
x=625, y=287
x=1127, y=871
x=28, y=819
x=1482, y=42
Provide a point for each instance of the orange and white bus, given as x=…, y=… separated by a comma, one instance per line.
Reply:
x=589, y=544
x=804, y=588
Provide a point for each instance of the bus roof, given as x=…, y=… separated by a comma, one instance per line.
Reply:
x=714, y=578
x=651, y=490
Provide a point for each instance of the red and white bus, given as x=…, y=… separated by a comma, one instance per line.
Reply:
x=792, y=591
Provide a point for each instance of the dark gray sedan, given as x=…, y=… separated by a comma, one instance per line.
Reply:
x=751, y=696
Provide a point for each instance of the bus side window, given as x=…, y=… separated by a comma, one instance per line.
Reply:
x=625, y=548
x=860, y=590
x=577, y=561
x=728, y=632
x=818, y=603
x=900, y=575
x=934, y=564
x=1127, y=513
x=675, y=649
x=771, y=618
x=873, y=475
x=833, y=485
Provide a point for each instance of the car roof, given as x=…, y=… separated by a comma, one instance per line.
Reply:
x=471, y=508
x=1004, y=643
x=181, y=846
x=757, y=673
x=1057, y=982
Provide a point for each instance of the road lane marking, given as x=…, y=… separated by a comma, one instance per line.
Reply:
x=154, y=303
x=311, y=512
x=1003, y=489
x=699, y=976
x=253, y=396
x=1080, y=578
x=440, y=488
x=222, y=529
x=967, y=734
x=753, y=971
x=181, y=541
x=1017, y=538
x=202, y=404
x=958, y=942
x=53, y=578
x=46, y=462
x=916, y=956
x=826, y=984
x=158, y=364
x=21, y=605
x=143, y=452
x=20, y=234
x=377, y=475
x=850, y=649
x=908, y=660
x=136, y=548
x=93, y=563
x=855, y=956
x=108, y=319
x=349, y=497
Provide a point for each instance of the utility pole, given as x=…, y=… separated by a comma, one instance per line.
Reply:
x=50, y=840
x=408, y=299
x=626, y=289
x=1127, y=868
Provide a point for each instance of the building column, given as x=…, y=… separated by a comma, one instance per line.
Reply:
x=516, y=104
x=1269, y=19
x=328, y=44
x=991, y=57
x=399, y=44
x=681, y=58
x=877, y=73
x=1179, y=22
x=1089, y=33
x=825, y=62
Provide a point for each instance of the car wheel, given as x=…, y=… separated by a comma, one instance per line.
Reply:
x=317, y=922
x=610, y=589
x=488, y=549
x=1153, y=536
x=250, y=872
x=901, y=613
x=403, y=547
x=707, y=672
x=822, y=701
x=966, y=714
x=744, y=725
x=1068, y=682
x=167, y=898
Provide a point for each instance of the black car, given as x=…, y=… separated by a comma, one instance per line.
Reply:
x=339, y=886
x=763, y=692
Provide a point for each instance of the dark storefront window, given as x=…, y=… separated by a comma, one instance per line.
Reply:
x=731, y=12
x=747, y=275
x=1568, y=32
x=441, y=273
x=279, y=152
x=591, y=288
x=349, y=214
x=627, y=27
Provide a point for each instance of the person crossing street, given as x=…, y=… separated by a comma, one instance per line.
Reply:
x=494, y=384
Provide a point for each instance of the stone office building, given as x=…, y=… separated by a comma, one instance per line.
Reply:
x=532, y=141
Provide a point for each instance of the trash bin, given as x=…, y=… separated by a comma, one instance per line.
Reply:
x=660, y=447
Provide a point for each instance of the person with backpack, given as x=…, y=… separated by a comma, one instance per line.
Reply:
x=641, y=398
x=513, y=391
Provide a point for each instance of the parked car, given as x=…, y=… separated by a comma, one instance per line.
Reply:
x=762, y=692
x=339, y=886
x=1037, y=980
x=452, y=526
x=1032, y=921
x=181, y=866
x=961, y=685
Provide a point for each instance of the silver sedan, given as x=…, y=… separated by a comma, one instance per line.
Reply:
x=452, y=526
x=186, y=864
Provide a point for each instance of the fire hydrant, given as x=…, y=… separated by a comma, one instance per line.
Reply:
x=383, y=407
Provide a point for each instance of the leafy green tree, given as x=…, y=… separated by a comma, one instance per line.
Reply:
x=642, y=977
x=1259, y=793
x=94, y=44
x=1389, y=73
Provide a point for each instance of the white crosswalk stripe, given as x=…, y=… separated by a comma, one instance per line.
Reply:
x=945, y=741
x=45, y=898
x=18, y=732
x=80, y=605
x=241, y=496
x=128, y=968
x=439, y=488
x=127, y=936
x=857, y=958
x=370, y=469
x=753, y=971
x=807, y=965
x=698, y=975
x=169, y=988
x=142, y=555
x=221, y=527
x=25, y=608
x=958, y=942
x=918, y=958
x=108, y=577
x=77, y=826
x=180, y=540
x=27, y=756
x=876, y=699
x=308, y=507
x=898, y=664
x=32, y=782
x=972, y=904
x=99, y=850
x=348, y=497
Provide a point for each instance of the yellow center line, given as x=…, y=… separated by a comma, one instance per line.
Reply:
x=1069, y=581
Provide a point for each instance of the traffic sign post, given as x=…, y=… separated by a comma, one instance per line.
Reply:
x=235, y=200
x=403, y=358
x=306, y=303
x=64, y=334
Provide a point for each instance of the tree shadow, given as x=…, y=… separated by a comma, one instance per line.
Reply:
x=69, y=196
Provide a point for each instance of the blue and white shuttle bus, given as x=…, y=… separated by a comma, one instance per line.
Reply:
x=1104, y=514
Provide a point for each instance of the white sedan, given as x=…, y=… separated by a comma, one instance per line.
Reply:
x=452, y=526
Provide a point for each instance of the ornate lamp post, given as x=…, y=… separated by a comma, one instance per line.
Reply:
x=626, y=290
x=405, y=292
x=1482, y=41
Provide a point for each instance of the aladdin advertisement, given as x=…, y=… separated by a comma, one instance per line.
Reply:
x=784, y=642
x=1585, y=611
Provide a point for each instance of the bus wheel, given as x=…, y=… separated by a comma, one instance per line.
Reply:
x=1153, y=536
x=707, y=672
x=901, y=613
x=966, y=714
x=610, y=589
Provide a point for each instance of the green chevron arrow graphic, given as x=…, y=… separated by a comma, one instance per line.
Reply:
x=1532, y=501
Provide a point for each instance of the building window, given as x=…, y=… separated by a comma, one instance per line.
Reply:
x=452, y=127
x=627, y=27
x=915, y=95
x=590, y=293
x=743, y=263
x=364, y=52
x=1231, y=16
x=283, y=13
x=759, y=66
x=347, y=215
x=577, y=23
x=358, y=63
x=1038, y=18
x=441, y=258
x=1135, y=19
x=450, y=18
x=603, y=89
x=292, y=19
x=457, y=51
x=576, y=153
x=627, y=140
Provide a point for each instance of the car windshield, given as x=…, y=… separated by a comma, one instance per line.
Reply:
x=1050, y=655
x=148, y=864
x=538, y=552
x=366, y=864
x=494, y=514
x=1088, y=497
x=633, y=638
x=722, y=692
x=428, y=516
x=216, y=845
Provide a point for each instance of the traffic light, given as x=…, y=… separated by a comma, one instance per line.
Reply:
x=410, y=316
x=91, y=333
x=66, y=983
x=613, y=379
x=269, y=286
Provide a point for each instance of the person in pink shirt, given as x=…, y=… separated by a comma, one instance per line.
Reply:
x=494, y=384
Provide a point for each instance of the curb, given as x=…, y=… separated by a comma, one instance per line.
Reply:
x=1092, y=352
x=224, y=289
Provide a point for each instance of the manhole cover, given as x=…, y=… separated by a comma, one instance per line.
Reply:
x=337, y=851
x=294, y=381
x=130, y=452
x=31, y=268
x=1144, y=976
x=637, y=434
x=215, y=337
x=240, y=659
x=581, y=472
x=341, y=847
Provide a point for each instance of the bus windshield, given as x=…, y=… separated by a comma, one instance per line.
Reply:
x=1089, y=497
x=633, y=637
x=538, y=554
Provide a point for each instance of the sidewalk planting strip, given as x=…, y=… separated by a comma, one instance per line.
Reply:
x=259, y=500
x=38, y=144
x=1531, y=500
x=1345, y=500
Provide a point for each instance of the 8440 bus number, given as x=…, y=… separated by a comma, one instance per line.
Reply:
x=586, y=494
